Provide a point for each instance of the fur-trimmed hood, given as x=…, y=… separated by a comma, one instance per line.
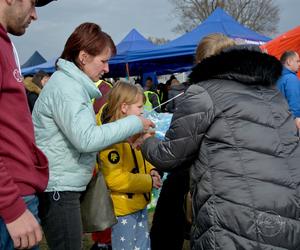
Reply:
x=245, y=66
x=31, y=86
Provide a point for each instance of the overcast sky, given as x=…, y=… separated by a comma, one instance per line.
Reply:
x=153, y=18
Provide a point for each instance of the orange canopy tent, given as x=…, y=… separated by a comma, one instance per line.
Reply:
x=287, y=41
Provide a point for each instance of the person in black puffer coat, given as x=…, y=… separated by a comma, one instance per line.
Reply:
x=234, y=129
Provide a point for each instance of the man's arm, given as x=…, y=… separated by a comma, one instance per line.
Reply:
x=183, y=138
x=21, y=224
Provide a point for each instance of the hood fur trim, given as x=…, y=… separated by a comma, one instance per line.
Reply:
x=245, y=66
x=31, y=86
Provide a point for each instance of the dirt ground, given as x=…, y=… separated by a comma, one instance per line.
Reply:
x=87, y=242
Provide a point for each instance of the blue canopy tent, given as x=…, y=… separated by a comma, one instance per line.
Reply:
x=35, y=59
x=137, y=55
x=177, y=55
x=48, y=67
x=132, y=42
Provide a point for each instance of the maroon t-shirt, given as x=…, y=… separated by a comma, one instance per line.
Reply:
x=104, y=88
x=23, y=167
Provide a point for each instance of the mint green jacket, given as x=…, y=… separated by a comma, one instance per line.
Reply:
x=66, y=129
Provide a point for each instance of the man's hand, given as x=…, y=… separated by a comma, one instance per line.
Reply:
x=25, y=231
x=147, y=124
x=297, y=121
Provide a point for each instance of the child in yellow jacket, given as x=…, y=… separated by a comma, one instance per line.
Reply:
x=128, y=175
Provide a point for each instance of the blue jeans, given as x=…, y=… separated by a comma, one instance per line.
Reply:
x=6, y=243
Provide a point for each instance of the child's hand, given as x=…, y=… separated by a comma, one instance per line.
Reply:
x=148, y=134
x=156, y=180
x=133, y=138
x=137, y=140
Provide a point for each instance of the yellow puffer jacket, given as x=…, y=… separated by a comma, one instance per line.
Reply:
x=130, y=185
x=130, y=191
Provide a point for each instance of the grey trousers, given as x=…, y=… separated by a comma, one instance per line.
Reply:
x=61, y=220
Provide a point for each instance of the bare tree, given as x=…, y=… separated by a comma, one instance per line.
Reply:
x=157, y=40
x=259, y=15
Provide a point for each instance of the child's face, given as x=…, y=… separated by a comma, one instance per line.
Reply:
x=135, y=108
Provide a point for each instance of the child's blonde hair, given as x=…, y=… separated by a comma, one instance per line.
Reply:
x=121, y=93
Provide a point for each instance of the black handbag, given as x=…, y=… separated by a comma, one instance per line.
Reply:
x=97, y=211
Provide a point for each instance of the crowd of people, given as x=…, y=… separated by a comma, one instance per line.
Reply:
x=231, y=151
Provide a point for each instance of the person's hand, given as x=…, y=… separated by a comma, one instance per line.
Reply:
x=156, y=180
x=25, y=231
x=133, y=138
x=147, y=124
x=297, y=121
x=137, y=140
x=148, y=134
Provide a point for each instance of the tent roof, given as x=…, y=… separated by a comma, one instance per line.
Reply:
x=48, y=67
x=133, y=41
x=35, y=59
x=287, y=41
x=218, y=22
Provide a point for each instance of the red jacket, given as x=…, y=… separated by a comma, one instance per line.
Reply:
x=23, y=167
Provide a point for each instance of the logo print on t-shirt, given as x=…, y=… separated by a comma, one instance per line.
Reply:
x=17, y=75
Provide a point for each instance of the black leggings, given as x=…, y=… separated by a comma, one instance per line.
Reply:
x=169, y=222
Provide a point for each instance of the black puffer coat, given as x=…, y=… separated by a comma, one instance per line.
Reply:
x=236, y=132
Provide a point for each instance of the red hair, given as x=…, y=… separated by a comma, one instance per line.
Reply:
x=87, y=37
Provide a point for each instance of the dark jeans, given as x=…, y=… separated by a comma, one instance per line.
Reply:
x=169, y=224
x=5, y=241
x=61, y=220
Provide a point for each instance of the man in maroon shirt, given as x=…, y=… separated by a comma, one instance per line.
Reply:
x=23, y=167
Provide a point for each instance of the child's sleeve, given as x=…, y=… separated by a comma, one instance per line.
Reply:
x=149, y=167
x=117, y=178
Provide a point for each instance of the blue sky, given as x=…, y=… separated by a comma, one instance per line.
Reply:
x=153, y=18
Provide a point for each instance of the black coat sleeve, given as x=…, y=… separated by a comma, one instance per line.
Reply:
x=189, y=124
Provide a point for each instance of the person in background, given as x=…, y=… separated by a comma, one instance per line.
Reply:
x=102, y=239
x=152, y=98
x=23, y=167
x=289, y=83
x=175, y=89
x=173, y=202
x=243, y=147
x=104, y=88
x=66, y=130
x=128, y=176
x=162, y=90
x=34, y=87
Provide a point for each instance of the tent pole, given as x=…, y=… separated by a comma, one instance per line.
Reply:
x=127, y=71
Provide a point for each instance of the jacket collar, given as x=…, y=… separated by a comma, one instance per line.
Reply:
x=286, y=71
x=79, y=77
x=245, y=66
